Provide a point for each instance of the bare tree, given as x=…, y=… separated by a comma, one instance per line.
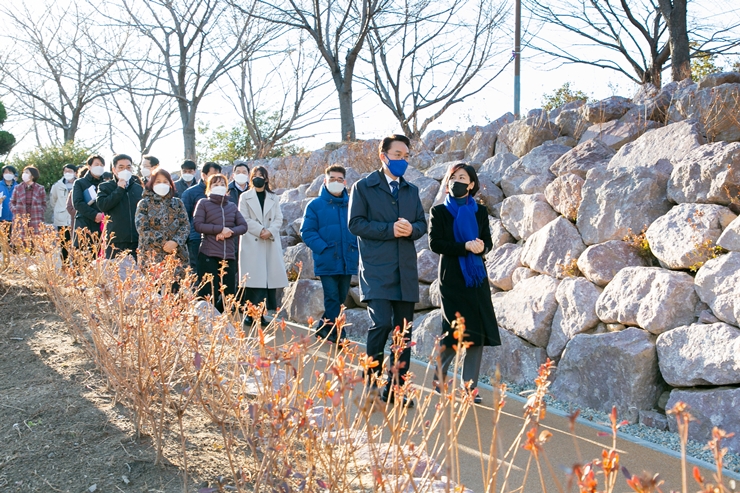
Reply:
x=57, y=60
x=136, y=102
x=637, y=38
x=339, y=28
x=199, y=41
x=428, y=55
x=275, y=96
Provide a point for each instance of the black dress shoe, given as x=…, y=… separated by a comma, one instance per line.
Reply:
x=388, y=396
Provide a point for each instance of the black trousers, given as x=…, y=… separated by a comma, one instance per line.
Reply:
x=115, y=249
x=258, y=295
x=212, y=265
x=65, y=234
x=386, y=315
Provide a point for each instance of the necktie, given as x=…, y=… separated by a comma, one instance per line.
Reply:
x=394, y=189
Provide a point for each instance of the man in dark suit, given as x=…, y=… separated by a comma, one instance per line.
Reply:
x=387, y=217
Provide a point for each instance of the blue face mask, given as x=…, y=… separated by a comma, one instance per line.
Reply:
x=397, y=167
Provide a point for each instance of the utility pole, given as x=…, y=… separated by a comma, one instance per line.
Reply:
x=517, y=57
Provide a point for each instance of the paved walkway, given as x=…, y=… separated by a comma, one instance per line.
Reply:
x=562, y=449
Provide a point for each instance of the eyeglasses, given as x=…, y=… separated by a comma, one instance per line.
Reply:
x=335, y=179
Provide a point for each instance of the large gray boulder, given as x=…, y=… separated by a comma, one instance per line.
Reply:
x=716, y=109
x=501, y=263
x=617, y=133
x=489, y=194
x=428, y=264
x=717, y=284
x=571, y=122
x=521, y=136
x=518, y=361
x=499, y=235
x=358, y=323
x=607, y=109
x=710, y=408
x=700, y=354
x=425, y=333
x=564, y=195
x=300, y=253
x=649, y=297
x=707, y=174
x=528, y=309
x=550, y=249
x=522, y=273
x=496, y=166
x=576, y=312
x=422, y=160
x=428, y=189
x=524, y=215
x=531, y=173
x=600, y=263
x=303, y=299
x=583, y=157
x=730, y=237
x=435, y=297
x=684, y=237
x=480, y=148
x=670, y=143
x=612, y=369
x=619, y=200
x=425, y=301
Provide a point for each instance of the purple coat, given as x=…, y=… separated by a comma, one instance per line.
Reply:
x=210, y=217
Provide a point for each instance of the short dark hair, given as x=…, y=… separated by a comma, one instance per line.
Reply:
x=241, y=164
x=471, y=174
x=263, y=171
x=93, y=158
x=33, y=171
x=336, y=168
x=10, y=168
x=212, y=178
x=385, y=144
x=188, y=164
x=70, y=166
x=152, y=160
x=107, y=176
x=161, y=171
x=209, y=166
x=121, y=157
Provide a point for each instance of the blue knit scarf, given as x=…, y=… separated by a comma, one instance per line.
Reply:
x=465, y=228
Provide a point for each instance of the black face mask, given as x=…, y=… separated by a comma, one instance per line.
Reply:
x=258, y=182
x=459, y=189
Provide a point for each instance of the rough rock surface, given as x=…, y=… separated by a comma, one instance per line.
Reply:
x=480, y=148
x=686, y=234
x=587, y=372
x=617, y=133
x=521, y=273
x=670, y=143
x=425, y=302
x=730, y=237
x=700, y=354
x=303, y=299
x=425, y=333
x=564, y=194
x=531, y=173
x=715, y=109
x=489, y=194
x=650, y=297
x=517, y=360
x=607, y=109
x=528, y=309
x=300, y=253
x=717, y=282
x=576, y=312
x=571, y=123
x=499, y=235
x=358, y=323
x=522, y=136
x=428, y=264
x=617, y=200
x=550, y=249
x=501, y=263
x=523, y=215
x=496, y=166
x=708, y=174
x=435, y=297
x=600, y=263
x=428, y=189
x=712, y=407
x=583, y=157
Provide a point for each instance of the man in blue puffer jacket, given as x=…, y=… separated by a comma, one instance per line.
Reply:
x=334, y=248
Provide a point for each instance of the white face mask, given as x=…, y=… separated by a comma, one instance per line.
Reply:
x=9, y=176
x=146, y=172
x=335, y=187
x=97, y=171
x=187, y=176
x=69, y=176
x=218, y=190
x=241, y=179
x=124, y=175
x=161, y=189
x=26, y=177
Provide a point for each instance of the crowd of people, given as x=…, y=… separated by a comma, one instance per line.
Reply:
x=228, y=233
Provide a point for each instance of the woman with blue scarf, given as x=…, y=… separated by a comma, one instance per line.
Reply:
x=460, y=234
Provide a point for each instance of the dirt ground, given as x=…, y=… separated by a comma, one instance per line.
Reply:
x=60, y=428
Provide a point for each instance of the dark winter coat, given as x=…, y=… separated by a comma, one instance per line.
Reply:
x=120, y=204
x=159, y=220
x=190, y=198
x=325, y=232
x=86, y=208
x=211, y=216
x=235, y=192
x=181, y=185
x=474, y=304
x=387, y=267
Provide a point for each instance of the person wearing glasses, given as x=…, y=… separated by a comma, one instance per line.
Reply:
x=334, y=248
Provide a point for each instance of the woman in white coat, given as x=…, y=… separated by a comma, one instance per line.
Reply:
x=261, y=266
x=58, y=201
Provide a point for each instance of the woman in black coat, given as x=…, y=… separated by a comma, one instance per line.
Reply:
x=459, y=232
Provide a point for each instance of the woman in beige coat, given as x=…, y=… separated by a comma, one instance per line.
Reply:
x=261, y=266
